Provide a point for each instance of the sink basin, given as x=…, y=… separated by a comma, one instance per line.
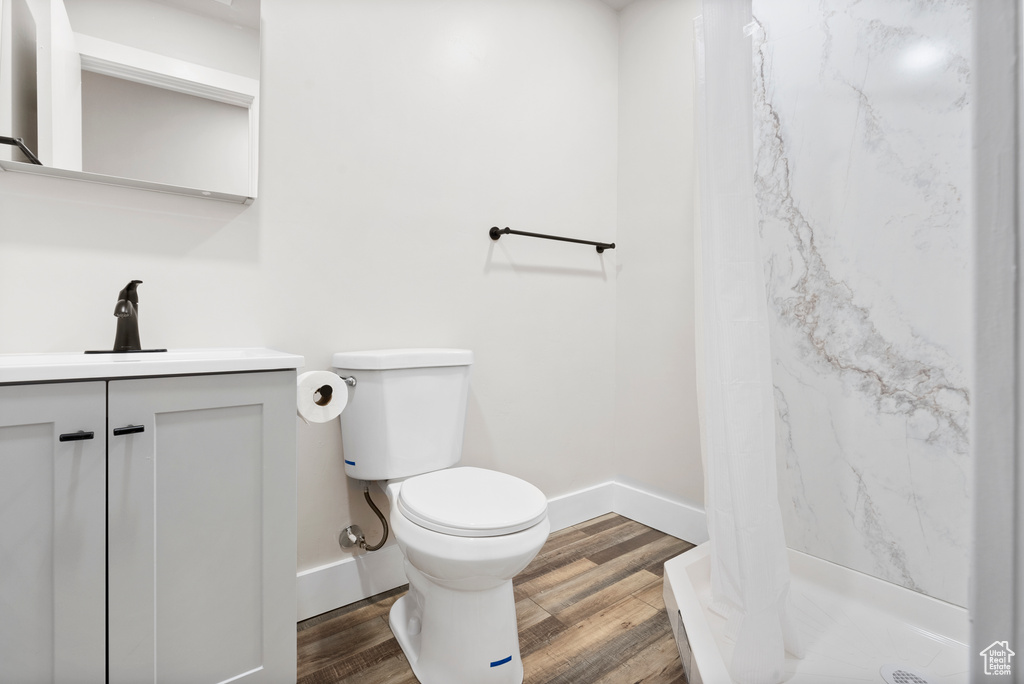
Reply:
x=80, y=366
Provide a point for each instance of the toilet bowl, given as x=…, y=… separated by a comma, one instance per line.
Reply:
x=464, y=532
x=457, y=623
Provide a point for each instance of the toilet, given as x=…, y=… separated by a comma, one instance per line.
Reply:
x=464, y=532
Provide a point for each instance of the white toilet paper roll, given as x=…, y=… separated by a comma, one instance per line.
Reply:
x=322, y=396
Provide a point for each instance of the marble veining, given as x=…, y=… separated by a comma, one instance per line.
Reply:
x=862, y=176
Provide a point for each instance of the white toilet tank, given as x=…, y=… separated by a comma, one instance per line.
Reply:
x=406, y=413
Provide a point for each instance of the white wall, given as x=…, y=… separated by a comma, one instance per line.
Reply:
x=170, y=31
x=431, y=123
x=394, y=133
x=657, y=435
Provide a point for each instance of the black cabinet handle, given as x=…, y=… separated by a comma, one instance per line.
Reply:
x=129, y=430
x=76, y=436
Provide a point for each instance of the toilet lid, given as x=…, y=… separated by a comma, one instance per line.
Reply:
x=471, y=502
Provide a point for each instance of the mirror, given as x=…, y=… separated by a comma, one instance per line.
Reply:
x=158, y=94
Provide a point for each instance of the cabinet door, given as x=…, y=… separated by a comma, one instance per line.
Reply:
x=202, y=528
x=52, y=511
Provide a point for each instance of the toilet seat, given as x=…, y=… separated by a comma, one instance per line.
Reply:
x=471, y=502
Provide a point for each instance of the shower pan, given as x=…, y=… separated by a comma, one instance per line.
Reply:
x=855, y=627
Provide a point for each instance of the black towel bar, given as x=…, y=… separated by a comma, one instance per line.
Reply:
x=496, y=233
x=20, y=144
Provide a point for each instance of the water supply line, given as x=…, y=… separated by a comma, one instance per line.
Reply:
x=353, y=535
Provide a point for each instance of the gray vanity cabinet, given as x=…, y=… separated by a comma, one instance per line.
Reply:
x=160, y=550
x=52, y=554
x=201, y=522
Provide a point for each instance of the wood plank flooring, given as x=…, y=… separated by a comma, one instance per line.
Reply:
x=589, y=606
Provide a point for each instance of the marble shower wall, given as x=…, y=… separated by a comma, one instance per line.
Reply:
x=862, y=182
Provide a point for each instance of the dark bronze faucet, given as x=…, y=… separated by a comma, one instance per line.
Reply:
x=126, y=339
x=127, y=312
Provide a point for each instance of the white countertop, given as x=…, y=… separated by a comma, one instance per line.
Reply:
x=80, y=366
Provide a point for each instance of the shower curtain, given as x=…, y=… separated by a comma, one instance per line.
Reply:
x=749, y=567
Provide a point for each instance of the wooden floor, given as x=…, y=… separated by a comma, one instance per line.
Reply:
x=589, y=606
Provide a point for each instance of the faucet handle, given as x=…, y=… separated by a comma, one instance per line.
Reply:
x=129, y=292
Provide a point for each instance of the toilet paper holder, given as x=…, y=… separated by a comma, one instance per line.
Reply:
x=321, y=395
x=326, y=392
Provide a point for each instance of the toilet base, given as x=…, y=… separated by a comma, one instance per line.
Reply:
x=451, y=636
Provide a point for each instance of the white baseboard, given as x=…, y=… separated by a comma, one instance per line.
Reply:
x=576, y=507
x=352, y=579
x=681, y=520
x=349, y=580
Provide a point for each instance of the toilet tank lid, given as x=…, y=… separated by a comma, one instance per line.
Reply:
x=388, y=359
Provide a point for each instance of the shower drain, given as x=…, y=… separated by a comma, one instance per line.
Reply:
x=897, y=674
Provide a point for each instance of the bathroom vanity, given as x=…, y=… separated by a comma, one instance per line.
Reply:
x=147, y=517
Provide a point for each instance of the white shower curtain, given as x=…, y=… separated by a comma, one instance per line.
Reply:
x=749, y=568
